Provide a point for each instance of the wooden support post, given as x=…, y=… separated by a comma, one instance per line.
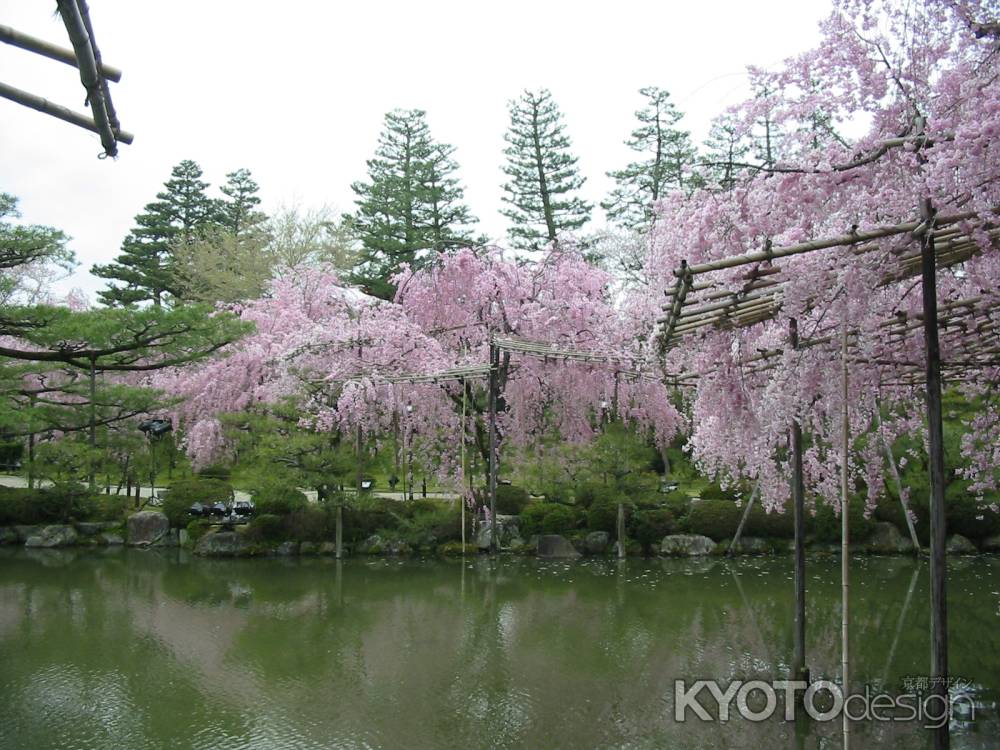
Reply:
x=620, y=529
x=845, y=556
x=935, y=434
x=890, y=459
x=339, y=526
x=799, y=670
x=461, y=484
x=91, y=469
x=743, y=520
x=494, y=386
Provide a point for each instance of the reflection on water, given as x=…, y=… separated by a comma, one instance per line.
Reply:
x=132, y=649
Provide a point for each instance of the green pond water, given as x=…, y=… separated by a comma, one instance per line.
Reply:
x=138, y=649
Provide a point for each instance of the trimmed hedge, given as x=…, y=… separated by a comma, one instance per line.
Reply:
x=61, y=503
x=511, y=499
x=603, y=515
x=648, y=527
x=549, y=518
x=716, y=519
x=279, y=501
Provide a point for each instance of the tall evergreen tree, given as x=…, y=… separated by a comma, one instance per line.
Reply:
x=668, y=164
x=542, y=172
x=727, y=150
x=238, y=213
x=180, y=213
x=410, y=205
x=444, y=214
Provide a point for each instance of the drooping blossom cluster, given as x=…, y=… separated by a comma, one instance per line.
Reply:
x=920, y=78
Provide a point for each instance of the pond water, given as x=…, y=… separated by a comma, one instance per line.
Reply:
x=139, y=649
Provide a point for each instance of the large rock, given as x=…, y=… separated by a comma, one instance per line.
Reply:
x=888, y=540
x=959, y=545
x=508, y=534
x=221, y=544
x=686, y=545
x=555, y=546
x=754, y=545
x=287, y=549
x=93, y=528
x=373, y=545
x=110, y=539
x=596, y=542
x=147, y=527
x=53, y=536
x=328, y=548
x=991, y=543
x=23, y=532
x=7, y=535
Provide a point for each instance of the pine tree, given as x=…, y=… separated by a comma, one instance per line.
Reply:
x=669, y=163
x=238, y=214
x=542, y=173
x=411, y=204
x=180, y=213
x=444, y=214
x=727, y=150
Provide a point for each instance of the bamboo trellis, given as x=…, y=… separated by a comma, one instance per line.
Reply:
x=94, y=75
x=699, y=306
x=970, y=325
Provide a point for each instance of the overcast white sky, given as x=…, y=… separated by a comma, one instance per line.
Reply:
x=296, y=91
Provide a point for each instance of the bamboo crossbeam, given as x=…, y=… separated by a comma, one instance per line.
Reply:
x=853, y=238
x=56, y=110
x=52, y=51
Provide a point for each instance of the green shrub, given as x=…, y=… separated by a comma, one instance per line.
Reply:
x=648, y=527
x=417, y=507
x=62, y=503
x=215, y=471
x=109, y=507
x=183, y=493
x=589, y=493
x=825, y=525
x=716, y=519
x=442, y=524
x=602, y=515
x=511, y=500
x=775, y=524
x=549, y=518
x=965, y=514
x=361, y=523
x=278, y=500
x=311, y=524
x=197, y=528
x=560, y=520
x=266, y=527
x=714, y=491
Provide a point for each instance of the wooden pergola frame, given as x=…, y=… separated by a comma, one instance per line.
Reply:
x=697, y=306
x=94, y=75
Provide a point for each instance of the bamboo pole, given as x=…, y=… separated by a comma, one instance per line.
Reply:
x=887, y=448
x=39, y=104
x=845, y=556
x=938, y=565
x=461, y=496
x=84, y=48
x=799, y=670
x=853, y=238
x=52, y=51
x=494, y=386
x=743, y=519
